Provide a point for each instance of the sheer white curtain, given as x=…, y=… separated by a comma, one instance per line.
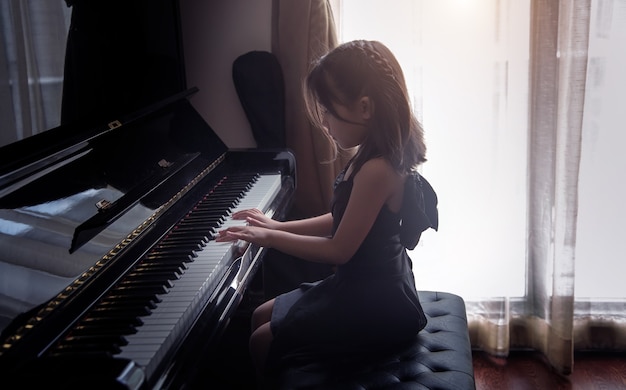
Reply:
x=519, y=102
x=32, y=54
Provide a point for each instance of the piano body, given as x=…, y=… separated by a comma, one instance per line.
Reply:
x=109, y=276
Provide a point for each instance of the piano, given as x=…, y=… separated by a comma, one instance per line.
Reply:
x=109, y=273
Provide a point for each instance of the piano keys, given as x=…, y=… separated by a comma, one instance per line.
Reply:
x=119, y=228
x=149, y=307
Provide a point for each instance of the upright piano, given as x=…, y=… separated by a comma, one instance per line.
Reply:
x=109, y=273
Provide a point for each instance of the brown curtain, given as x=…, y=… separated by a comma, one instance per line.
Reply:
x=303, y=30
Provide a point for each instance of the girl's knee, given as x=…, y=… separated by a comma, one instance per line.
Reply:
x=262, y=314
x=262, y=335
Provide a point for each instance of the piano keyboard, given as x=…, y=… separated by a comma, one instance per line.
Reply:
x=148, y=312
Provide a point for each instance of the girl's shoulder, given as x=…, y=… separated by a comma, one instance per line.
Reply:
x=374, y=167
x=378, y=166
x=380, y=173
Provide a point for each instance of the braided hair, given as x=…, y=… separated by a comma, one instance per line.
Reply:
x=368, y=68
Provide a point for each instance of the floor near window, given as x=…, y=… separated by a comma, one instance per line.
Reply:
x=529, y=371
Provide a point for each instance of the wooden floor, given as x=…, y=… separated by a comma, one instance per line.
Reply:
x=529, y=370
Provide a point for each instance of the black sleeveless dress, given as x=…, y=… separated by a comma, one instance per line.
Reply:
x=371, y=301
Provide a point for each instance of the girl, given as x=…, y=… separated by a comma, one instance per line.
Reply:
x=380, y=206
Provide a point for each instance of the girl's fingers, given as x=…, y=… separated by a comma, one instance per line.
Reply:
x=226, y=235
x=241, y=214
x=254, y=221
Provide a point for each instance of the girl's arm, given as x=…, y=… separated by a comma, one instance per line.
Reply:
x=373, y=186
x=321, y=226
x=316, y=226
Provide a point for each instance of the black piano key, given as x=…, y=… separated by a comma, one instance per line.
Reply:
x=109, y=321
x=83, y=354
x=143, y=289
x=165, y=258
x=105, y=343
x=120, y=328
x=171, y=252
x=199, y=234
x=207, y=212
x=159, y=266
x=208, y=215
x=121, y=311
x=183, y=239
x=114, y=300
x=175, y=248
x=218, y=214
x=193, y=230
x=223, y=205
x=166, y=261
x=142, y=283
x=154, y=274
x=196, y=224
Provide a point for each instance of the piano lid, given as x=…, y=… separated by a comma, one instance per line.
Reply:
x=63, y=210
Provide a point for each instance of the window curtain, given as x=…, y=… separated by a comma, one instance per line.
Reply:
x=558, y=69
x=552, y=318
x=556, y=102
x=31, y=70
x=304, y=30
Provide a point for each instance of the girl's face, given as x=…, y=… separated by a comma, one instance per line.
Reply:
x=349, y=128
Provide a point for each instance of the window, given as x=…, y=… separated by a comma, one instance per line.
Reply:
x=600, y=244
x=466, y=65
x=32, y=55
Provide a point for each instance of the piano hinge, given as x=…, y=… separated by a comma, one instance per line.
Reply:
x=114, y=125
x=163, y=163
x=103, y=205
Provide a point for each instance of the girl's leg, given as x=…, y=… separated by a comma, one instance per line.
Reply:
x=262, y=314
x=260, y=342
x=261, y=337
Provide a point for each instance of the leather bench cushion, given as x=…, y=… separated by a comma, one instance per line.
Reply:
x=440, y=357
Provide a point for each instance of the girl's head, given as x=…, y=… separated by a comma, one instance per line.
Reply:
x=365, y=75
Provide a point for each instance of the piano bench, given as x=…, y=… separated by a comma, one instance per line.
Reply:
x=440, y=357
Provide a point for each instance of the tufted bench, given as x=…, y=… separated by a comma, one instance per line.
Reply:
x=440, y=357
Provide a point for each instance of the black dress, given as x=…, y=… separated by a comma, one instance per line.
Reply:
x=371, y=301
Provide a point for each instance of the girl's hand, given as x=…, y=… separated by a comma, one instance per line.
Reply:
x=251, y=234
x=255, y=217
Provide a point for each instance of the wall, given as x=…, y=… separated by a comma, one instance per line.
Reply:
x=215, y=33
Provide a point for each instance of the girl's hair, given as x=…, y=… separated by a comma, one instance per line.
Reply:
x=368, y=68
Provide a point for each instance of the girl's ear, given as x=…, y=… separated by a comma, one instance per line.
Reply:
x=366, y=107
